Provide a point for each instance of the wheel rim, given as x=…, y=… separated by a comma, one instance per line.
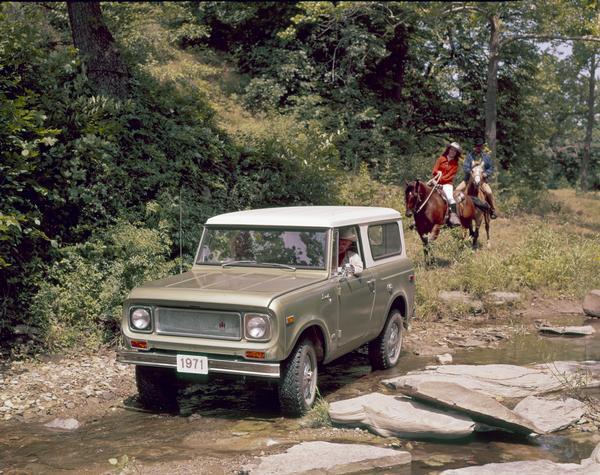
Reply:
x=309, y=379
x=394, y=342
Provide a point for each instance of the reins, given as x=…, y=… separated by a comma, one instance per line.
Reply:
x=436, y=181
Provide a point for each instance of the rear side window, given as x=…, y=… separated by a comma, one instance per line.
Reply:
x=384, y=240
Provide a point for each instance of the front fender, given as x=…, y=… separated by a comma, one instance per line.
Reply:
x=294, y=335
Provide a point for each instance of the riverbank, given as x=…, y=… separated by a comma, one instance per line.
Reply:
x=86, y=386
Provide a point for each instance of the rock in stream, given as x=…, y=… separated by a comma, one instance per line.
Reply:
x=326, y=457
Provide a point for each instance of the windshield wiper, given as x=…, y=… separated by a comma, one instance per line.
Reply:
x=237, y=263
x=277, y=264
x=259, y=264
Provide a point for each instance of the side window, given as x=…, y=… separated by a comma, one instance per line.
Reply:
x=348, y=243
x=384, y=240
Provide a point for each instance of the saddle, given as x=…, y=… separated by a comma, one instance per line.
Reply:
x=440, y=191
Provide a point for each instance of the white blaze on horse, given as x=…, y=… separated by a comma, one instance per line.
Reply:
x=477, y=196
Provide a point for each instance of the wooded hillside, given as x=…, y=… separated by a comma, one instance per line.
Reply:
x=121, y=121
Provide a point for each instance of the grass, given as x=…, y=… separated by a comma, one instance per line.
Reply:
x=318, y=416
x=555, y=255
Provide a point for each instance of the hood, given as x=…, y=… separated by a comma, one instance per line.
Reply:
x=244, y=287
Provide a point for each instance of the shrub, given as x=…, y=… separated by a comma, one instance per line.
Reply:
x=263, y=94
x=79, y=302
x=290, y=163
x=359, y=189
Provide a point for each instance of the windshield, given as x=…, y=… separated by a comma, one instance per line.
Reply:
x=298, y=248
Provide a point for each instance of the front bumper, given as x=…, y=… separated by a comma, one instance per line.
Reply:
x=215, y=365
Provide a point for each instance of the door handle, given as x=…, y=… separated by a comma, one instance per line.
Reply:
x=371, y=284
x=326, y=296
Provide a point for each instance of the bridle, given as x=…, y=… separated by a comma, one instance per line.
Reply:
x=416, y=192
x=434, y=182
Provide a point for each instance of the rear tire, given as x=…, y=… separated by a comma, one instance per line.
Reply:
x=384, y=351
x=298, y=385
x=157, y=388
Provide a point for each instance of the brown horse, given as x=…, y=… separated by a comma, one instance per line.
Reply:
x=429, y=210
x=482, y=208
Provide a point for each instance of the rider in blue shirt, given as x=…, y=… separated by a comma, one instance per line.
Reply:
x=476, y=157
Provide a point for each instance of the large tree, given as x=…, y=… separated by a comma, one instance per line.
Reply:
x=522, y=21
x=105, y=69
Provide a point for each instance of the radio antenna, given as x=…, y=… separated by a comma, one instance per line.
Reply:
x=180, y=231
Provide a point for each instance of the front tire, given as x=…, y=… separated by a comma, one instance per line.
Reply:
x=157, y=388
x=298, y=386
x=384, y=351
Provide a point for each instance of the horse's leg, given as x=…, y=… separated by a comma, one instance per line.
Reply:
x=425, y=241
x=487, y=230
x=477, y=223
x=475, y=237
x=435, y=232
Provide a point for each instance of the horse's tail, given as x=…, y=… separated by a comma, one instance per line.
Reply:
x=482, y=205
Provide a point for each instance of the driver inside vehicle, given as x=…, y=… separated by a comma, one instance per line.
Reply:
x=347, y=255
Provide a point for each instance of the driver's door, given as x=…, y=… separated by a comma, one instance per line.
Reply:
x=356, y=295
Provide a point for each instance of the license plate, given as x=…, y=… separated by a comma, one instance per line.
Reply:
x=192, y=364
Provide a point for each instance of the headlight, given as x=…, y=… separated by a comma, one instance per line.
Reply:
x=140, y=319
x=258, y=326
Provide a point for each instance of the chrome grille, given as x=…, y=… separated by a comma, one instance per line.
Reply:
x=198, y=323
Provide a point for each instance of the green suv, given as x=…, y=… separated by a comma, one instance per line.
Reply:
x=272, y=294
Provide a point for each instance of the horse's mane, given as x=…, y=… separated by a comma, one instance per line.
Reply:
x=412, y=185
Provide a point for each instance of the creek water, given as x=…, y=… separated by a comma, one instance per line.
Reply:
x=227, y=418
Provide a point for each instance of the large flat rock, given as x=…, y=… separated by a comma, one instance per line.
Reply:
x=479, y=407
x=507, y=381
x=589, y=466
x=454, y=297
x=582, y=330
x=330, y=458
x=503, y=298
x=352, y=411
x=398, y=416
x=591, y=303
x=551, y=415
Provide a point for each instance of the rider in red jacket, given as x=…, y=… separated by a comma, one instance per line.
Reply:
x=447, y=165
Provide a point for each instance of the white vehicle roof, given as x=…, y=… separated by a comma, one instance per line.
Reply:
x=307, y=216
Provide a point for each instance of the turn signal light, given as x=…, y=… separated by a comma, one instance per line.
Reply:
x=411, y=278
x=141, y=344
x=258, y=355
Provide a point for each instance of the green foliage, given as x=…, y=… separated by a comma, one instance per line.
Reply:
x=326, y=102
x=73, y=162
x=263, y=94
x=291, y=163
x=359, y=189
x=318, y=416
x=79, y=301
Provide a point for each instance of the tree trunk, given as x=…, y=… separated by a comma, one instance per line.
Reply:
x=97, y=48
x=400, y=50
x=587, y=144
x=491, y=96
